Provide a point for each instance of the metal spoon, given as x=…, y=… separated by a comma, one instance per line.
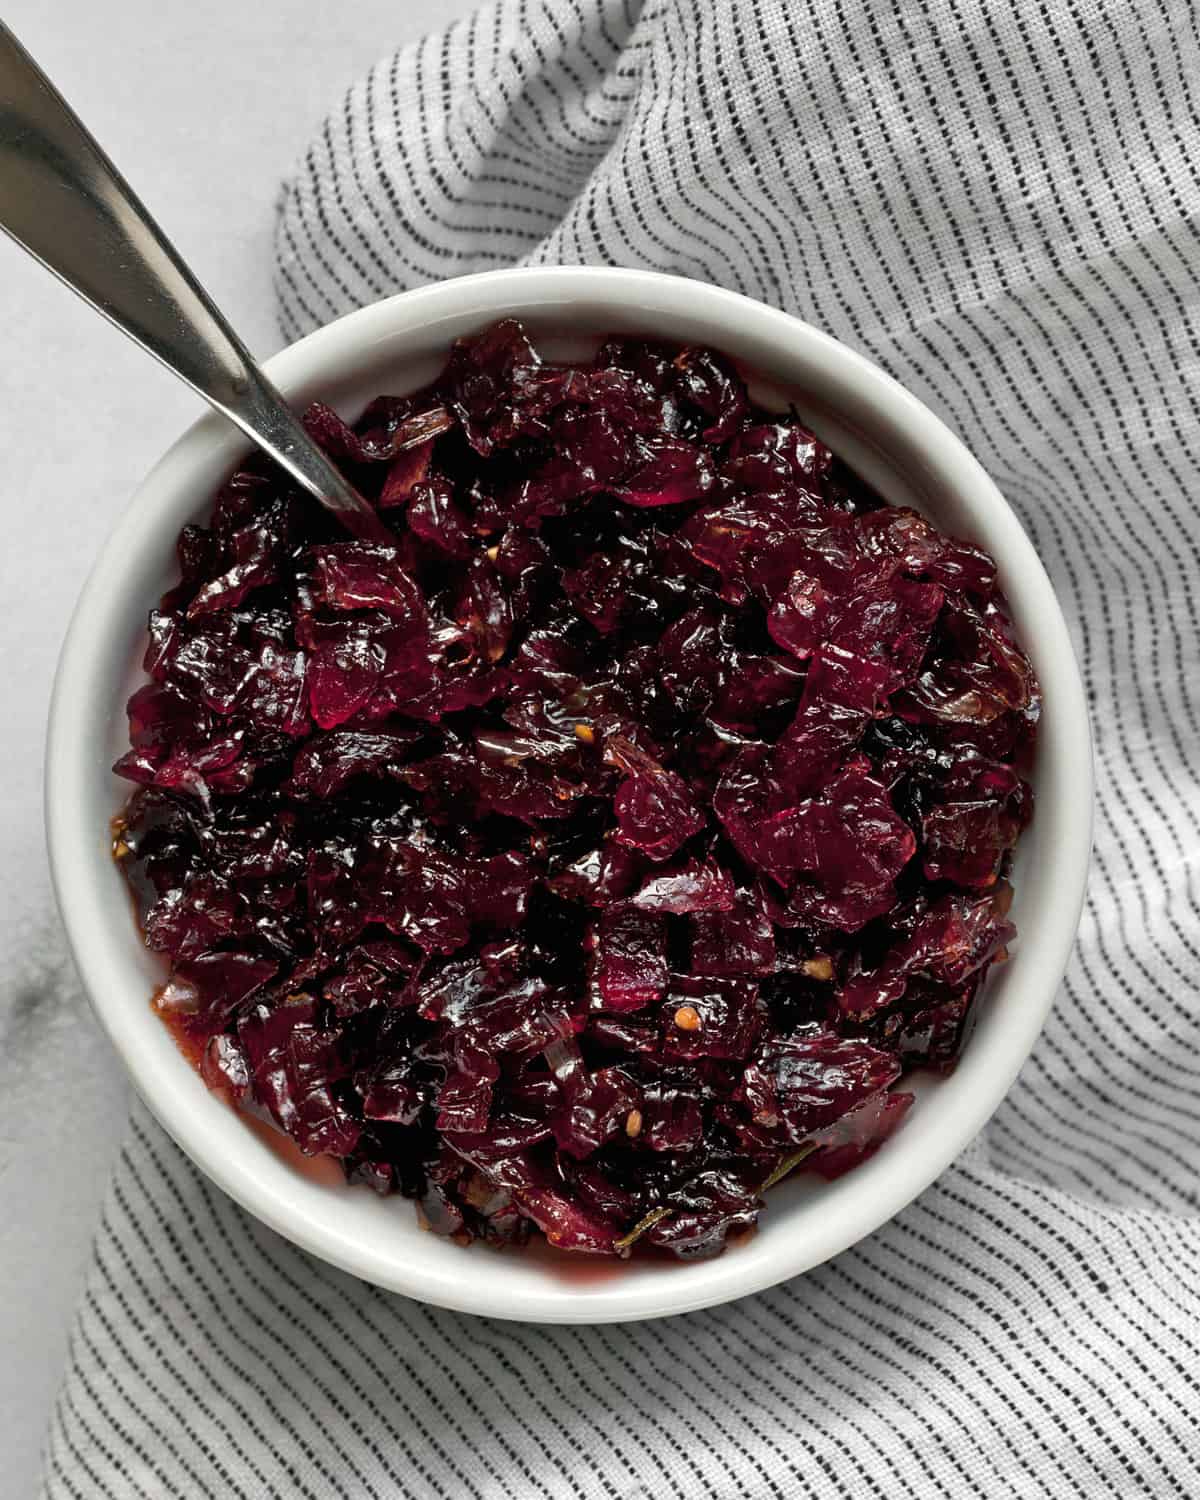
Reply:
x=62, y=199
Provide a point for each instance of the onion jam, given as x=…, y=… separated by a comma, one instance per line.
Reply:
x=611, y=842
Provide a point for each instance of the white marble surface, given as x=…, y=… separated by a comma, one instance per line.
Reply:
x=204, y=107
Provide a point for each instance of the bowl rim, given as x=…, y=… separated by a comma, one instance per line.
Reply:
x=76, y=855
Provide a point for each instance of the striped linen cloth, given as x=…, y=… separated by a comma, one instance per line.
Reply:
x=999, y=203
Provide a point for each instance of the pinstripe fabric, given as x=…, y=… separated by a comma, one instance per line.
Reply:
x=998, y=204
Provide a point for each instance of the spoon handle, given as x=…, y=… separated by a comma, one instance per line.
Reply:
x=64, y=201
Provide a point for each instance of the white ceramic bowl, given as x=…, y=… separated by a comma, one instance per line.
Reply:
x=394, y=346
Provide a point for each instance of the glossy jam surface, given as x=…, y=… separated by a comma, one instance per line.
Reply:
x=608, y=845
